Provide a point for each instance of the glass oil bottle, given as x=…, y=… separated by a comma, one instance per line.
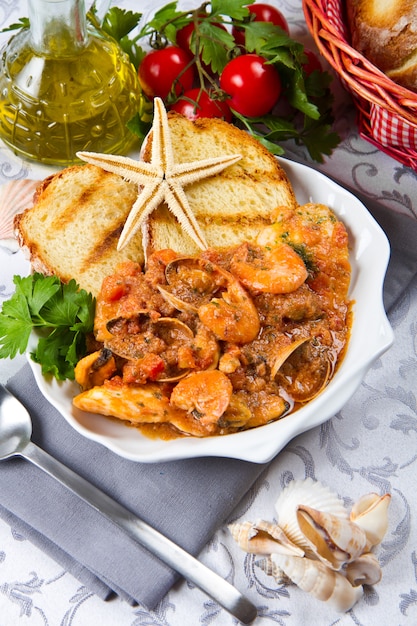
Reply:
x=65, y=87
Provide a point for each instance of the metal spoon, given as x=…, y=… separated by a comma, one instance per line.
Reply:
x=15, y=440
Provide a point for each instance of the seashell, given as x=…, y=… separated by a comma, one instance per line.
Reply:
x=193, y=281
x=370, y=513
x=310, y=493
x=15, y=197
x=176, y=302
x=318, y=580
x=236, y=415
x=95, y=368
x=262, y=537
x=299, y=387
x=335, y=541
x=270, y=568
x=284, y=353
x=365, y=570
x=169, y=329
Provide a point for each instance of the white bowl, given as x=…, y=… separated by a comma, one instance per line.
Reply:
x=371, y=335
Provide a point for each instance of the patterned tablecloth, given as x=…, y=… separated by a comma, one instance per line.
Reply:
x=370, y=445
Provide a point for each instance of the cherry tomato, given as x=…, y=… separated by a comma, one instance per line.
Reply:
x=159, y=69
x=313, y=62
x=184, y=35
x=206, y=106
x=263, y=13
x=183, y=39
x=254, y=86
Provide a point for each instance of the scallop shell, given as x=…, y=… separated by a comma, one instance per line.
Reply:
x=365, y=570
x=321, y=582
x=15, y=197
x=310, y=493
x=333, y=540
x=262, y=537
x=370, y=512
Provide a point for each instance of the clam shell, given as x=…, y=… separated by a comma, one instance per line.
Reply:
x=15, y=197
x=318, y=580
x=310, y=493
x=370, y=512
x=284, y=353
x=262, y=537
x=333, y=540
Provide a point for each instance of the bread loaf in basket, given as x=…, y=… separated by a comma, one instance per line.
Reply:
x=387, y=111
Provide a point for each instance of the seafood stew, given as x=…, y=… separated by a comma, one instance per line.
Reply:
x=225, y=341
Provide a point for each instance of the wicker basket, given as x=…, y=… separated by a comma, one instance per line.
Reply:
x=387, y=112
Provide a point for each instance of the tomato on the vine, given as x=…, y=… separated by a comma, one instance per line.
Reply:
x=313, y=62
x=183, y=40
x=253, y=85
x=195, y=103
x=184, y=34
x=262, y=13
x=161, y=69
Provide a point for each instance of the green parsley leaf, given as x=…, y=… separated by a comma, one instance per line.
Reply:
x=215, y=44
x=236, y=9
x=62, y=313
x=118, y=23
x=23, y=23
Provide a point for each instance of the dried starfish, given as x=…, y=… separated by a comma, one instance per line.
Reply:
x=161, y=179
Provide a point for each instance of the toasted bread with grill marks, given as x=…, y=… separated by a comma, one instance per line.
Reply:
x=231, y=206
x=74, y=226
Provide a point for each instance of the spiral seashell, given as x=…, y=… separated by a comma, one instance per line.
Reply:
x=270, y=568
x=318, y=580
x=333, y=540
x=310, y=493
x=370, y=513
x=263, y=538
x=15, y=197
x=365, y=570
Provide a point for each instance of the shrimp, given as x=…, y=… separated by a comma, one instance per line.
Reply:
x=268, y=268
x=233, y=317
x=316, y=230
x=222, y=304
x=204, y=394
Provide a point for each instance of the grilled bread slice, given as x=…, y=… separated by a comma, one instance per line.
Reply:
x=231, y=206
x=74, y=226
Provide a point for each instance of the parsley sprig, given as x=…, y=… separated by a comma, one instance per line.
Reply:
x=62, y=314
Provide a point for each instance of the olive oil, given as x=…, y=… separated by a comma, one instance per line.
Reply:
x=66, y=95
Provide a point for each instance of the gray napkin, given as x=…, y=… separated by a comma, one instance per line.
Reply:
x=186, y=500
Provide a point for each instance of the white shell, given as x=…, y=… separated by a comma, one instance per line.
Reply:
x=310, y=493
x=365, y=570
x=318, y=580
x=270, y=568
x=332, y=539
x=370, y=512
x=262, y=538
